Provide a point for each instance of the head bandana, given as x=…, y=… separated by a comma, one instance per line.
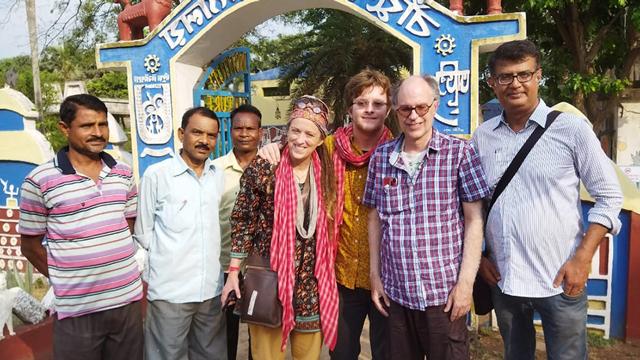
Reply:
x=305, y=108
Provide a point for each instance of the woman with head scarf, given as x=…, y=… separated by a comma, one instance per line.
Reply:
x=282, y=214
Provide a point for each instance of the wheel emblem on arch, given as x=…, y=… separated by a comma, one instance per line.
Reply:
x=445, y=44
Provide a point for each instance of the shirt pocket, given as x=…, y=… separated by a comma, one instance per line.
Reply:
x=394, y=199
x=501, y=158
x=174, y=214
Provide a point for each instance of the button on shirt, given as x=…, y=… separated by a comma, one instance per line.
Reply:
x=421, y=217
x=232, y=173
x=536, y=223
x=179, y=227
x=352, y=257
x=89, y=245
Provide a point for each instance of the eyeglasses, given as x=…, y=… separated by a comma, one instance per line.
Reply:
x=306, y=102
x=421, y=109
x=522, y=76
x=364, y=104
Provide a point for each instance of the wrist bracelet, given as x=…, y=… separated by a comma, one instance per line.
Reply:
x=233, y=268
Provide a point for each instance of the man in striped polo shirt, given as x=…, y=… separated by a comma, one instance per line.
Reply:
x=539, y=253
x=83, y=202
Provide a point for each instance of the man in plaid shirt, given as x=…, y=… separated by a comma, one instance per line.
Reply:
x=425, y=229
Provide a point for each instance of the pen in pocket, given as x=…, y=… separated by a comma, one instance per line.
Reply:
x=184, y=202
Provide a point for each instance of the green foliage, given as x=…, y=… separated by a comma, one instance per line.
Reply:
x=582, y=38
x=269, y=53
x=70, y=61
x=596, y=340
x=589, y=84
x=49, y=128
x=23, y=281
x=335, y=46
x=110, y=84
x=588, y=48
x=73, y=58
x=635, y=17
x=93, y=21
x=22, y=66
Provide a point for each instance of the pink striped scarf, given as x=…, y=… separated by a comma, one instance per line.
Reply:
x=283, y=243
x=343, y=154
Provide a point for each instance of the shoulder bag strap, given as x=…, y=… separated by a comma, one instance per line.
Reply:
x=519, y=158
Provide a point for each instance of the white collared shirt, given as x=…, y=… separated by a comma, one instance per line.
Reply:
x=178, y=225
x=536, y=224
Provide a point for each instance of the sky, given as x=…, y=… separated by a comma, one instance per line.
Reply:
x=15, y=36
x=13, y=25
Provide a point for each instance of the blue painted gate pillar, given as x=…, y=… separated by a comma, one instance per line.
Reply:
x=164, y=68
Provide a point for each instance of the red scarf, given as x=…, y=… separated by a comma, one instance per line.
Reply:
x=342, y=154
x=283, y=243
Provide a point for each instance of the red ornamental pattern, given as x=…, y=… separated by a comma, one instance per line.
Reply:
x=10, y=254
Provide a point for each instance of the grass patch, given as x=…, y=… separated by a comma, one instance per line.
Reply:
x=485, y=331
x=595, y=339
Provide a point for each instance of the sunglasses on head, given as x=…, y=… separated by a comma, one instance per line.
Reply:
x=307, y=101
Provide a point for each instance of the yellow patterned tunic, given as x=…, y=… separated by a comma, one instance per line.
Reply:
x=352, y=260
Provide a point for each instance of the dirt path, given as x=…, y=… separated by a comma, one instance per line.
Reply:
x=487, y=345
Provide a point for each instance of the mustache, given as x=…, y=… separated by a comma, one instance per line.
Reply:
x=98, y=138
x=203, y=146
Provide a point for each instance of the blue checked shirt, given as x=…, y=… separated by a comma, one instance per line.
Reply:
x=536, y=224
x=421, y=217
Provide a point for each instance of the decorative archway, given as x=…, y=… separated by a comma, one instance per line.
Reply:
x=216, y=90
x=164, y=67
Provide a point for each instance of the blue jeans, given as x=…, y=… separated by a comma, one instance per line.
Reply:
x=564, y=321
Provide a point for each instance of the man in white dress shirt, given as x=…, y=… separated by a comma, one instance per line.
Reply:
x=539, y=254
x=179, y=227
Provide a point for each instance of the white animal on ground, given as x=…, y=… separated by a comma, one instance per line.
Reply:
x=7, y=301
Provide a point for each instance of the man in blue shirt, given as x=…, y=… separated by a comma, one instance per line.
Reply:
x=539, y=254
x=179, y=227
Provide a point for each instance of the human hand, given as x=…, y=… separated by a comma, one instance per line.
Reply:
x=488, y=271
x=459, y=301
x=377, y=293
x=573, y=275
x=232, y=285
x=271, y=153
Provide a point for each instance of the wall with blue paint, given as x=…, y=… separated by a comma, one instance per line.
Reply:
x=11, y=121
x=172, y=58
x=13, y=172
x=620, y=275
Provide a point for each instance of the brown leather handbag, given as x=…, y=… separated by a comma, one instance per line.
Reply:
x=260, y=304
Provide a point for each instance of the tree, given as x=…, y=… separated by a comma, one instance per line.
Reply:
x=22, y=66
x=589, y=48
x=268, y=53
x=33, y=42
x=87, y=22
x=110, y=84
x=335, y=47
x=70, y=60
